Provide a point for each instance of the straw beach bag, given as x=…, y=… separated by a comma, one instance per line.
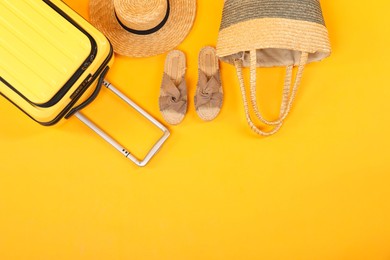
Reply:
x=268, y=33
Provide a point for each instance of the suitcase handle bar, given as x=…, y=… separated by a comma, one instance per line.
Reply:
x=118, y=146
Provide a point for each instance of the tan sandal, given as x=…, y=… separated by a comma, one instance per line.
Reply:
x=209, y=92
x=173, y=94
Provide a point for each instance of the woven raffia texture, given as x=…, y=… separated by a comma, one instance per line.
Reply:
x=141, y=16
x=179, y=23
x=244, y=10
x=278, y=29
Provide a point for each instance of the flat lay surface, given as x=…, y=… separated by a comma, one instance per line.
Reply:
x=318, y=189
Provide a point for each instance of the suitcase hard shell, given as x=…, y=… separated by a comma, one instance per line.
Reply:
x=53, y=63
x=50, y=57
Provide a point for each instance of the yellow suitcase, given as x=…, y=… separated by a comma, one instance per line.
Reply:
x=53, y=64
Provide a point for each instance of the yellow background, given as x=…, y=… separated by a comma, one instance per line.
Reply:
x=319, y=189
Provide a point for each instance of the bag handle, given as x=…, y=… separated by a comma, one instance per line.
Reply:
x=287, y=99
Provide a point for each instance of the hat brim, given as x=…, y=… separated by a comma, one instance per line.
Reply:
x=175, y=30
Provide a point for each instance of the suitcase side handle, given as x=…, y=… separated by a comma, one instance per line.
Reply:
x=143, y=162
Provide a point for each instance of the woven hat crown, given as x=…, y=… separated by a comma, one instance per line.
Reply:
x=143, y=28
x=141, y=14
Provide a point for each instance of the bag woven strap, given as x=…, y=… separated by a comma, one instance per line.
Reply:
x=287, y=99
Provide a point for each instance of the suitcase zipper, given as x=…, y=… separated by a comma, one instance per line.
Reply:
x=99, y=73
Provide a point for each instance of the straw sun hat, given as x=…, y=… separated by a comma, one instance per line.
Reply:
x=268, y=33
x=143, y=28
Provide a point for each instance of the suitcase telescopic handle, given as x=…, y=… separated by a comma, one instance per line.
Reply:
x=118, y=146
